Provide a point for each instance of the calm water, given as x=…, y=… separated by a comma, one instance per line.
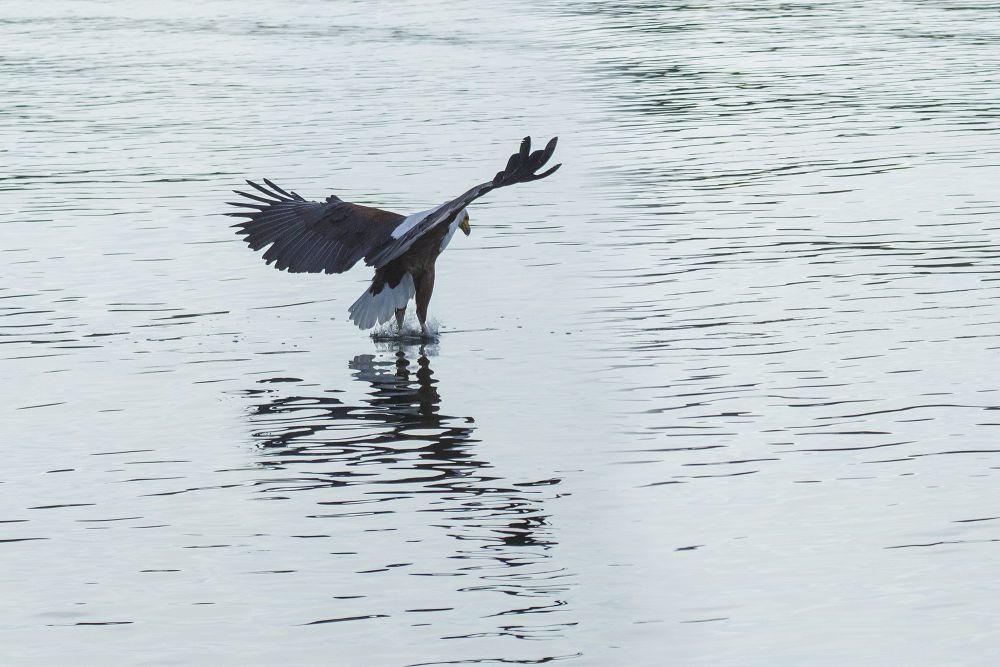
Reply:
x=721, y=392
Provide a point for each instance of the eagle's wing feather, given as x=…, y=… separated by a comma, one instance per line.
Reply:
x=522, y=167
x=310, y=236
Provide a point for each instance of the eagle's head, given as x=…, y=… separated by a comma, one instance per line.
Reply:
x=464, y=224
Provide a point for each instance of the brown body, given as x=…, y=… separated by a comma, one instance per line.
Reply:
x=419, y=263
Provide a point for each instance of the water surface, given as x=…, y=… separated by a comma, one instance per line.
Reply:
x=721, y=392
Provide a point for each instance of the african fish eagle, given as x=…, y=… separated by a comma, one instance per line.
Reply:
x=332, y=235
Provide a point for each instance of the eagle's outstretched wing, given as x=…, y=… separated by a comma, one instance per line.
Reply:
x=331, y=236
x=311, y=236
x=522, y=167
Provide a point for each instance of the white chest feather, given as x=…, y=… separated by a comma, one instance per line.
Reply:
x=451, y=229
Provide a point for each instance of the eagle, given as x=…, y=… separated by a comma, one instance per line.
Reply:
x=331, y=236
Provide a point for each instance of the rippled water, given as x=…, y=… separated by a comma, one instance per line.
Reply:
x=721, y=392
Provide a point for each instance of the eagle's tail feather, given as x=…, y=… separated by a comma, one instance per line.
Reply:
x=372, y=309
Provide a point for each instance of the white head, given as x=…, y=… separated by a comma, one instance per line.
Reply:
x=461, y=221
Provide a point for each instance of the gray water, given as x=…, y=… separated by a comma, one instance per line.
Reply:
x=723, y=391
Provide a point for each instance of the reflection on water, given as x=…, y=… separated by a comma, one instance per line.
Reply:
x=404, y=400
x=393, y=449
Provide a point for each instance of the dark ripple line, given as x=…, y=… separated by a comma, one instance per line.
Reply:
x=498, y=661
x=906, y=409
x=346, y=618
x=41, y=405
x=24, y=539
x=851, y=449
x=941, y=543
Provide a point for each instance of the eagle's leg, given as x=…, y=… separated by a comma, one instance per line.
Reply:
x=424, y=287
x=400, y=314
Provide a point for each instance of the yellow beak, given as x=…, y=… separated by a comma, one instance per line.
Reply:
x=464, y=226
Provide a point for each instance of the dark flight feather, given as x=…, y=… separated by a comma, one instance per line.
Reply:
x=309, y=236
x=521, y=168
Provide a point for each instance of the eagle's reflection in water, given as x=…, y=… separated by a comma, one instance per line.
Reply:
x=397, y=422
x=374, y=461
